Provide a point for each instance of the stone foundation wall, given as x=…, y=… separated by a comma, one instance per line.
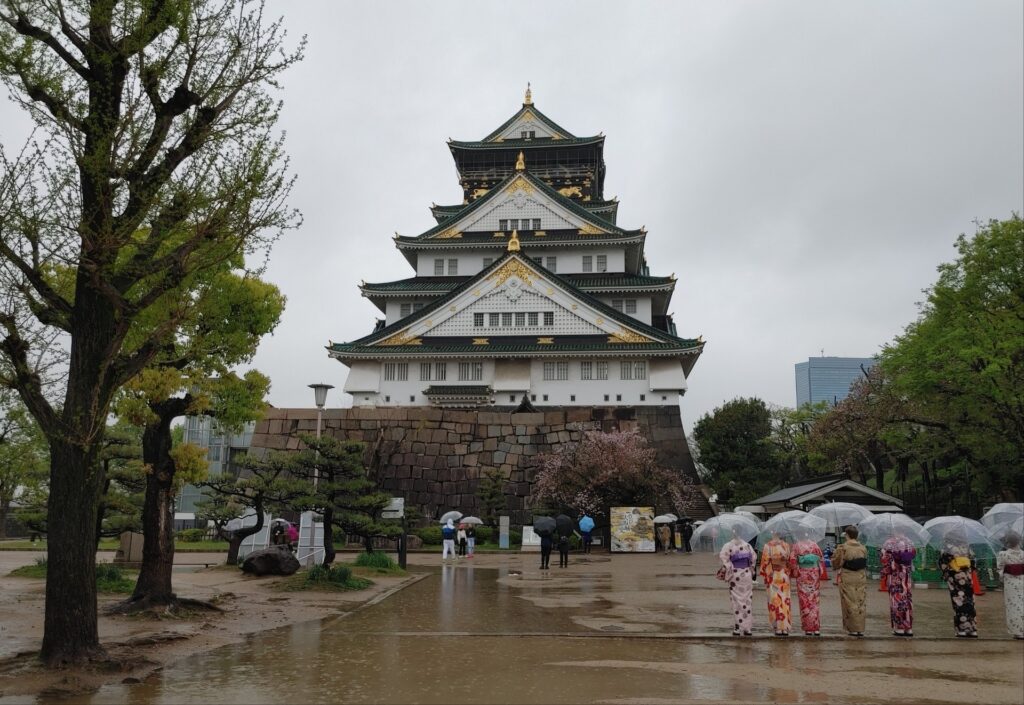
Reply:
x=434, y=457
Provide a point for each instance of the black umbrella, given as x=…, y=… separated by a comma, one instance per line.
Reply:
x=565, y=525
x=544, y=526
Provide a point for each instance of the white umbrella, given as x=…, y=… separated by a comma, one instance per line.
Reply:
x=795, y=525
x=958, y=530
x=750, y=515
x=719, y=530
x=998, y=533
x=840, y=514
x=664, y=519
x=452, y=516
x=471, y=520
x=1003, y=513
x=672, y=516
x=879, y=528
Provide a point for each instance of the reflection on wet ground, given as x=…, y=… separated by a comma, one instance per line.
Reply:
x=508, y=635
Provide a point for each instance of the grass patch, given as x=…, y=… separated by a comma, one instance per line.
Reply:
x=330, y=578
x=109, y=577
x=378, y=562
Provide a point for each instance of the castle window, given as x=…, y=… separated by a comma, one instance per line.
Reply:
x=478, y=320
x=488, y=261
x=513, y=224
x=506, y=319
x=438, y=267
x=556, y=371
x=634, y=370
x=387, y=398
x=545, y=397
x=417, y=306
x=536, y=223
x=440, y=371
x=606, y=397
x=617, y=305
x=532, y=318
x=405, y=310
x=520, y=319
x=396, y=371
x=425, y=370
x=618, y=397
x=412, y=397
x=602, y=371
x=552, y=264
x=588, y=263
x=572, y=397
x=503, y=224
x=643, y=397
x=471, y=371
x=512, y=397
x=549, y=318
x=586, y=370
x=602, y=263
x=453, y=267
x=630, y=305
x=493, y=319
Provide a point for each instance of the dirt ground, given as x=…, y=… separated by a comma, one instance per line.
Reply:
x=140, y=645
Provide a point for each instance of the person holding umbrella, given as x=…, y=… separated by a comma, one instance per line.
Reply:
x=850, y=562
x=807, y=566
x=448, y=540
x=687, y=534
x=957, y=565
x=586, y=527
x=776, y=573
x=737, y=557
x=898, y=555
x=1010, y=564
x=544, y=527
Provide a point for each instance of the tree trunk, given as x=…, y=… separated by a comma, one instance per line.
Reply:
x=70, y=634
x=3, y=518
x=329, y=552
x=154, y=583
x=368, y=543
x=101, y=507
x=233, y=545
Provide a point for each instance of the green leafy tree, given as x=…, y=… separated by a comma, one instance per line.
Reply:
x=962, y=361
x=23, y=454
x=490, y=492
x=791, y=438
x=154, y=161
x=735, y=443
x=192, y=375
x=342, y=491
x=263, y=485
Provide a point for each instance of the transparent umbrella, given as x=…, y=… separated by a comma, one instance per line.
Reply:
x=840, y=514
x=718, y=531
x=959, y=531
x=879, y=528
x=664, y=519
x=1003, y=513
x=999, y=532
x=750, y=515
x=450, y=516
x=471, y=520
x=795, y=525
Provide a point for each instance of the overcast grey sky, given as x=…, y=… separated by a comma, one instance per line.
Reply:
x=802, y=167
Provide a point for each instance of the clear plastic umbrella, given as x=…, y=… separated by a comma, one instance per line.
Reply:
x=452, y=516
x=471, y=520
x=664, y=519
x=999, y=532
x=750, y=515
x=959, y=531
x=879, y=528
x=719, y=530
x=840, y=514
x=795, y=525
x=1003, y=513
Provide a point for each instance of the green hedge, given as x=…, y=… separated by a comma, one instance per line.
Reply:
x=191, y=535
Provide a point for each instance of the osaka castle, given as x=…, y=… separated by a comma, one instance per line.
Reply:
x=530, y=287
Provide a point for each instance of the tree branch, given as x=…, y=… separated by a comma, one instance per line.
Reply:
x=22, y=26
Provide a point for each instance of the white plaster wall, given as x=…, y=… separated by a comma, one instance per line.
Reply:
x=393, y=308
x=643, y=305
x=571, y=392
x=570, y=259
x=528, y=300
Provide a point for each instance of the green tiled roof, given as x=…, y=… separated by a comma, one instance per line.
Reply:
x=552, y=125
x=526, y=238
x=584, y=281
x=535, y=143
x=684, y=345
x=456, y=390
x=565, y=201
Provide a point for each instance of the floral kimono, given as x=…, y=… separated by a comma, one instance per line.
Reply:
x=1010, y=564
x=850, y=563
x=957, y=565
x=775, y=572
x=807, y=565
x=738, y=560
x=897, y=564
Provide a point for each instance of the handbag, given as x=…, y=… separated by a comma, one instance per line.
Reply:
x=721, y=573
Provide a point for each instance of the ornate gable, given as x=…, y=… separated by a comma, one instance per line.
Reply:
x=529, y=123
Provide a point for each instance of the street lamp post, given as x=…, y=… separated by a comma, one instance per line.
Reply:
x=320, y=397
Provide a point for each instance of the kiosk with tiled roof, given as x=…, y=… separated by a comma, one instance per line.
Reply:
x=530, y=288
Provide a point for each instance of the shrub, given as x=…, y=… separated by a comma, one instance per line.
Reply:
x=515, y=538
x=377, y=559
x=191, y=535
x=484, y=534
x=110, y=578
x=339, y=574
x=431, y=535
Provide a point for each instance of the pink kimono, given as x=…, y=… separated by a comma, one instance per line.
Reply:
x=807, y=565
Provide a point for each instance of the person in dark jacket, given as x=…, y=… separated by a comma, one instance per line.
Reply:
x=687, y=535
x=545, y=551
x=563, y=551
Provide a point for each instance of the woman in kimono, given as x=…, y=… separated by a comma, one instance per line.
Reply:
x=737, y=569
x=807, y=565
x=897, y=564
x=850, y=562
x=775, y=572
x=1010, y=565
x=957, y=565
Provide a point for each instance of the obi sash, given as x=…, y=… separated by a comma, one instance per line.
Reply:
x=1016, y=569
x=855, y=564
x=905, y=557
x=807, y=560
x=740, y=560
x=960, y=563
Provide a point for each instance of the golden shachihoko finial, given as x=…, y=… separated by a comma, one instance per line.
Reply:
x=513, y=243
x=528, y=100
x=521, y=162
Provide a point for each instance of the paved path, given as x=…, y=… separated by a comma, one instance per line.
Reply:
x=606, y=630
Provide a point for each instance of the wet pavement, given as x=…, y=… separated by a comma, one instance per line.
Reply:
x=607, y=630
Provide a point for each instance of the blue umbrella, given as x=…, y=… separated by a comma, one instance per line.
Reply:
x=586, y=523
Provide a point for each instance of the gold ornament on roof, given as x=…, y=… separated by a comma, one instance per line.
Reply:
x=545, y=341
x=521, y=162
x=520, y=184
x=403, y=338
x=528, y=100
x=589, y=229
x=513, y=243
x=449, y=234
x=627, y=336
x=513, y=267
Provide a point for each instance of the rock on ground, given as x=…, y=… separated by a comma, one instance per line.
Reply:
x=276, y=560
